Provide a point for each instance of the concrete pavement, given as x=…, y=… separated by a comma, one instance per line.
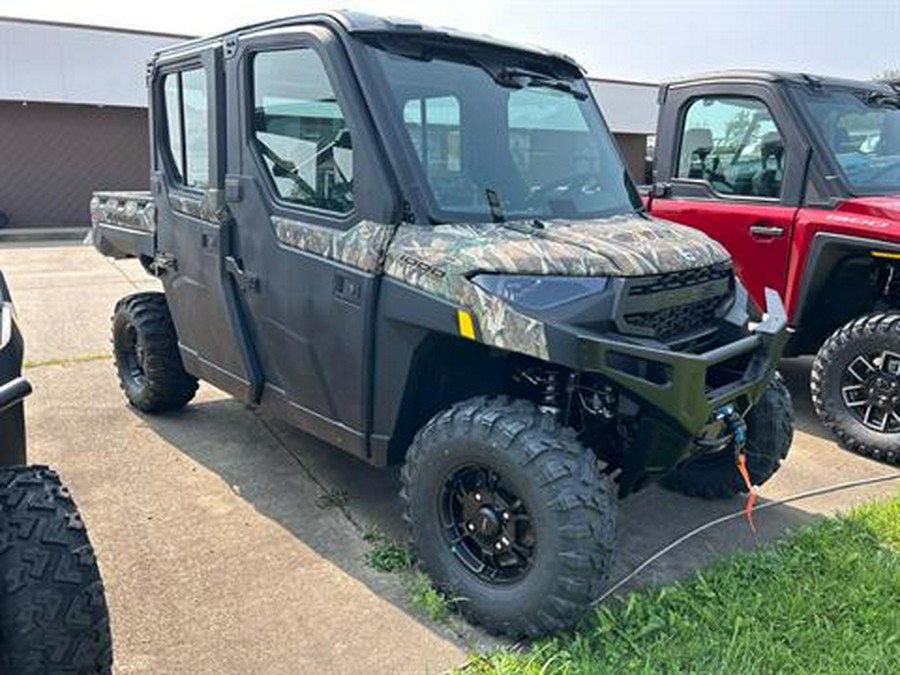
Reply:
x=216, y=553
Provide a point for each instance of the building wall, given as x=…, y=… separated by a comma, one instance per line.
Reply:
x=58, y=63
x=52, y=156
x=634, y=151
x=629, y=107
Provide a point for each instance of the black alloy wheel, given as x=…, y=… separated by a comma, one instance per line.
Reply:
x=487, y=525
x=855, y=385
x=870, y=388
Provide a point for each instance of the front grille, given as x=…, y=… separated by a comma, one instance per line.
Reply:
x=674, y=321
x=667, y=306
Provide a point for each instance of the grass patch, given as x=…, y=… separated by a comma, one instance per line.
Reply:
x=65, y=361
x=333, y=498
x=424, y=597
x=386, y=555
x=825, y=600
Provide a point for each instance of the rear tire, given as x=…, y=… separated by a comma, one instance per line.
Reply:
x=843, y=386
x=770, y=432
x=146, y=354
x=539, y=488
x=53, y=613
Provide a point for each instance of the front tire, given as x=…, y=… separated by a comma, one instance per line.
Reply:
x=146, y=352
x=53, y=613
x=770, y=432
x=510, y=515
x=855, y=385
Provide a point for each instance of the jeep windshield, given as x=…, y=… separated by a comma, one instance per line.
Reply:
x=497, y=135
x=861, y=130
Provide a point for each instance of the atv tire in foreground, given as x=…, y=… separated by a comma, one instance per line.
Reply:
x=769, y=436
x=53, y=614
x=855, y=386
x=511, y=516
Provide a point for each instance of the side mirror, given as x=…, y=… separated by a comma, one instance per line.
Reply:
x=661, y=190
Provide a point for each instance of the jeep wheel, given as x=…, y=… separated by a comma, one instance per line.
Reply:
x=146, y=351
x=855, y=385
x=510, y=515
x=770, y=432
x=53, y=614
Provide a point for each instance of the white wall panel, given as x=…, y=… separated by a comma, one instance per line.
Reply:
x=64, y=64
x=629, y=108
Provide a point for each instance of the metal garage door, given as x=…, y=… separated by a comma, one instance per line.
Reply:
x=52, y=156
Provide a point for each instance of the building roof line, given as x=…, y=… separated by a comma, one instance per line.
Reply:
x=85, y=26
x=615, y=80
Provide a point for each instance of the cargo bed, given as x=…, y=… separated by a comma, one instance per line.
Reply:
x=123, y=224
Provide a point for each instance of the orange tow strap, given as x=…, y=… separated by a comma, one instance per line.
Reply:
x=751, y=498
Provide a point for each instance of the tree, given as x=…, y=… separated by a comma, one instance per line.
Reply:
x=888, y=75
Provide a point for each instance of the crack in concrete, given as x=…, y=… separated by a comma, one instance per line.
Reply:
x=65, y=360
x=345, y=511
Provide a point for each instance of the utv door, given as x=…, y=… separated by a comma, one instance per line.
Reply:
x=192, y=230
x=304, y=186
x=737, y=165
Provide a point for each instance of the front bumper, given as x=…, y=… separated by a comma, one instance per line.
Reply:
x=680, y=391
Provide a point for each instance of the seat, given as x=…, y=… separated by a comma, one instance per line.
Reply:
x=696, y=146
x=767, y=181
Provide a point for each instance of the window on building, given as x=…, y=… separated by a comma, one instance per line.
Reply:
x=734, y=144
x=300, y=132
x=187, y=123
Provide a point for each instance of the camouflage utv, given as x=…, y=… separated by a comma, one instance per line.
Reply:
x=422, y=246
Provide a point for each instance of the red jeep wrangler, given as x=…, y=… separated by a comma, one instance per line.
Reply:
x=799, y=177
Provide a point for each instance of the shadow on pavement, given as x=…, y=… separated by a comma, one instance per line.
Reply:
x=268, y=479
x=796, y=376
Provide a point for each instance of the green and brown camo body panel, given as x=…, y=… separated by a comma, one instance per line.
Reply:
x=362, y=246
x=210, y=207
x=137, y=210
x=440, y=259
x=132, y=210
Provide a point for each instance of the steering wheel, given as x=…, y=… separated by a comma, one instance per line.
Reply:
x=283, y=168
x=578, y=181
x=721, y=180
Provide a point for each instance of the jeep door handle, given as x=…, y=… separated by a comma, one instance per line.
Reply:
x=766, y=231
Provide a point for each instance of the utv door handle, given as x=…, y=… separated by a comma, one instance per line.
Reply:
x=244, y=279
x=209, y=241
x=766, y=231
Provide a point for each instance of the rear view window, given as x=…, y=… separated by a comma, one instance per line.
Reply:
x=299, y=131
x=187, y=124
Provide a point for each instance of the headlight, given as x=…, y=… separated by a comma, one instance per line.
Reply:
x=539, y=292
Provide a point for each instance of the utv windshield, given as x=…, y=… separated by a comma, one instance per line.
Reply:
x=862, y=131
x=497, y=138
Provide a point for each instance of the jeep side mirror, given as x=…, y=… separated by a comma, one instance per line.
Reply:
x=661, y=189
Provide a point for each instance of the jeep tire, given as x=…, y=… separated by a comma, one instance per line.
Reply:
x=770, y=432
x=53, y=613
x=855, y=385
x=498, y=474
x=146, y=354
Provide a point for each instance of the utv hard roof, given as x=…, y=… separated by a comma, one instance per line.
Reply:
x=358, y=23
x=731, y=76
